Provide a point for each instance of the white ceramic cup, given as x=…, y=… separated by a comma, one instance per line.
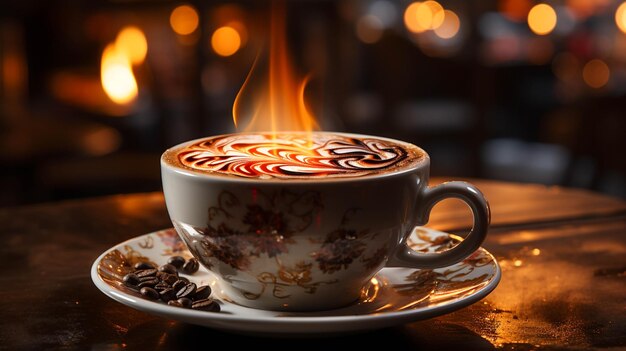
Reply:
x=310, y=244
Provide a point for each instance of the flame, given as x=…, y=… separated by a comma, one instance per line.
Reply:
x=117, y=75
x=132, y=41
x=279, y=104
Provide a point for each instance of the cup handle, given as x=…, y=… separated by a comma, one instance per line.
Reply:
x=407, y=257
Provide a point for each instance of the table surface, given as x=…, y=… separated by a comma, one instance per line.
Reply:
x=562, y=252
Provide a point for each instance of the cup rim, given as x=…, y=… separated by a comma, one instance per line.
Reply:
x=419, y=164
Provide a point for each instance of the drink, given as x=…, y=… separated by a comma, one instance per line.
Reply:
x=294, y=155
x=292, y=222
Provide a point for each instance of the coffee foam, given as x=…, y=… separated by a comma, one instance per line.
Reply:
x=294, y=155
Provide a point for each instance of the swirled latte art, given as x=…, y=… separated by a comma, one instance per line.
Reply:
x=295, y=156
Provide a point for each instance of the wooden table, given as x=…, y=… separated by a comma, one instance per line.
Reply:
x=562, y=251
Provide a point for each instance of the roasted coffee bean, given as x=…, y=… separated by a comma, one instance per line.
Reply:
x=185, y=302
x=146, y=272
x=164, y=283
x=191, y=266
x=174, y=303
x=187, y=291
x=149, y=293
x=177, y=261
x=167, y=268
x=167, y=294
x=202, y=292
x=206, y=305
x=143, y=265
x=169, y=278
x=179, y=284
x=162, y=286
x=131, y=279
x=150, y=282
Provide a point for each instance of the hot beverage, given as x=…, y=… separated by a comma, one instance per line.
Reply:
x=294, y=155
x=298, y=221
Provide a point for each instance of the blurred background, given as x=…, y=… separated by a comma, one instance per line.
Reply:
x=91, y=93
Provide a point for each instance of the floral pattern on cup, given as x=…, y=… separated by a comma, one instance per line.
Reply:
x=298, y=275
x=270, y=223
x=273, y=223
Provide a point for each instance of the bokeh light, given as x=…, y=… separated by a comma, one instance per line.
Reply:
x=423, y=16
x=225, y=41
x=450, y=26
x=117, y=76
x=430, y=15
x=369, y=29
x=410, y=18
x=596, y=73
x=133, y=43
x=184, y=19
x=620, y=17
x=542, y=19
x=515, y=10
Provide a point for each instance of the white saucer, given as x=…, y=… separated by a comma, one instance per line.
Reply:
x=394, y=296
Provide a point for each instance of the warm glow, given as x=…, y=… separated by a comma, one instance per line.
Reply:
x=620, y=17
x=515, y=10
x=423, y=16
x=278, y=104
x=225, y=41
x=542, y=19
x=184, y=19
x=133, y=43
x=430, y=15
x=117, y=76
x=450, y=26
x=596, y=73
x=369, y=29
x=410, y=18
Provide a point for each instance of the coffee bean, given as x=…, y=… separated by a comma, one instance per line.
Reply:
x=164, y=283
x=146, y=272
x=162, y=286
x=179, y=284
x=169, y=278
x=150, y=282
x=191, y=266
x=168, y=294
x=187, y=291
x=184, y=279
x=131, y=280
x=185, y=302
x=202, y=292
x=206, y=305
x=167, y=268
x=174, y=303
x=177, y=261
x=149, y=293
x=143, y=265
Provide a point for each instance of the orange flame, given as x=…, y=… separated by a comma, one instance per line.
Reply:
x=279, y=104
x=116, y=71
x=117, y=76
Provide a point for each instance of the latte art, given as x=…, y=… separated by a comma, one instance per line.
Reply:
x=293, y=155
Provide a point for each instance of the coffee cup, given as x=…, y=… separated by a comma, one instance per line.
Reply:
x=301, y=222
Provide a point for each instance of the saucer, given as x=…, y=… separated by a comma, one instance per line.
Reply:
x=394, y=296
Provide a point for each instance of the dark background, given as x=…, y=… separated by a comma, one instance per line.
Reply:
x=495, y=100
